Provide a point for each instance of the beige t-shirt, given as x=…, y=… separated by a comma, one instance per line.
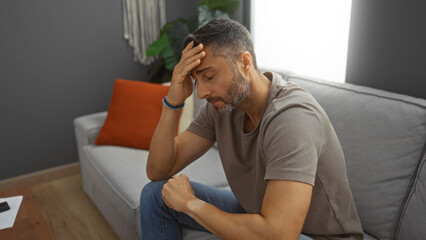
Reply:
x=293, y=141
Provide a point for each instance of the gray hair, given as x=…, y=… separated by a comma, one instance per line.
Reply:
x=228, y=38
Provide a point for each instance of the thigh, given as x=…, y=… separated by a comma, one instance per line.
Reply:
x=223, y=199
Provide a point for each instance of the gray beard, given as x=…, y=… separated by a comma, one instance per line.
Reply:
x=236, y=93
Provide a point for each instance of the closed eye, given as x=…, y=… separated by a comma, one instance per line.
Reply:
x=209, y=78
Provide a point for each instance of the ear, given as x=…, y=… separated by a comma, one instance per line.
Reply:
x=246, y=62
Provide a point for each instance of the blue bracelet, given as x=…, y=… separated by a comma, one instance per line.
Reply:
x=172, y=107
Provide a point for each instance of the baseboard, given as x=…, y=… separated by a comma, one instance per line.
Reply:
x=42, y=176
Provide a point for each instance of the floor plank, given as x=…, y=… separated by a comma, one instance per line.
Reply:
x=42, y=176
x=70, y=212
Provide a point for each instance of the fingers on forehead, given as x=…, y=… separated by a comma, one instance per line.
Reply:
x=189, y=45
x=195, y=49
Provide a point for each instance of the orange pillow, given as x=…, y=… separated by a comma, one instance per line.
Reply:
x=133, y=114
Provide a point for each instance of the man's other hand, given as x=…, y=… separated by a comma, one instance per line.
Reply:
x=177, y=192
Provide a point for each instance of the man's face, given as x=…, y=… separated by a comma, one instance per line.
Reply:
x=219, y=82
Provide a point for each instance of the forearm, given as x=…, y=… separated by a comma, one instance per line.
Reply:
x=162, y=150
x=233, y=226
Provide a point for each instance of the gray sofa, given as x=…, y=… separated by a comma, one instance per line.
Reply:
x=383, y=136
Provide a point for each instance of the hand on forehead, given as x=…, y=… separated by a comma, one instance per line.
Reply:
x=204, y=60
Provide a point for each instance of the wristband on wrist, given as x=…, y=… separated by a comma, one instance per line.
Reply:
x=172, y=107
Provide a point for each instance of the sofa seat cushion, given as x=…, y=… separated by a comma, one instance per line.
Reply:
x=122, y=173
x=123, y=170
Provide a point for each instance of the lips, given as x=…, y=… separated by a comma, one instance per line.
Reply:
x=212, y=100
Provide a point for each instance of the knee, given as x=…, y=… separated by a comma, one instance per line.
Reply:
x=151, y=194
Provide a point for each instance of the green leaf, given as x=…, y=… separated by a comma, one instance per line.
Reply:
x=177, y=33
x=219, y=14
x=156, y=47
x=168, y=52
x=170, y=58
x=170, y=43
x=167, y=27
x=228, y=6
x=170, y=63
x=205, y=15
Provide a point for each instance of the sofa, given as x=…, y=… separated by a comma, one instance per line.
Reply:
x=383, y=136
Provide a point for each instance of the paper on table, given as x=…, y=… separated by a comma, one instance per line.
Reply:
x=7, y=218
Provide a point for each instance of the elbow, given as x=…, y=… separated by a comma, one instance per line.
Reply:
x=158, y=169
x=153, y=176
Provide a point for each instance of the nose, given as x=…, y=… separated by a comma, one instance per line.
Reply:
x=202, y=90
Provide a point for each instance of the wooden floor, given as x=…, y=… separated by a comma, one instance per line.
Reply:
x=69, y=211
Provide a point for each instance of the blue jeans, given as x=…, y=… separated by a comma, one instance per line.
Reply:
x=161, y=222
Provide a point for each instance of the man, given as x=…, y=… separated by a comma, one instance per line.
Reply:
x=280, y=154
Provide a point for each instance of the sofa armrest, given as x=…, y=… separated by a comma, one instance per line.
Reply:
x=87, y=128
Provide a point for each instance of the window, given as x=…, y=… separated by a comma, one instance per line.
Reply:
x=307, y=37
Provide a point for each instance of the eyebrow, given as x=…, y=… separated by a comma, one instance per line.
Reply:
x=202, y=70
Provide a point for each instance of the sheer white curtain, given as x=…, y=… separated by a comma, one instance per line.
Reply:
x=308, y=37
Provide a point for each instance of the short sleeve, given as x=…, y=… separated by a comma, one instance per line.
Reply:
x=293, y=142
x=204, y=123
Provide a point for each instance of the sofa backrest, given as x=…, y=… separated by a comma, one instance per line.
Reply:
x=383, y=136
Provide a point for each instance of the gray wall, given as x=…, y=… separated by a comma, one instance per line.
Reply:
x=59, y=60
x=387, y=46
